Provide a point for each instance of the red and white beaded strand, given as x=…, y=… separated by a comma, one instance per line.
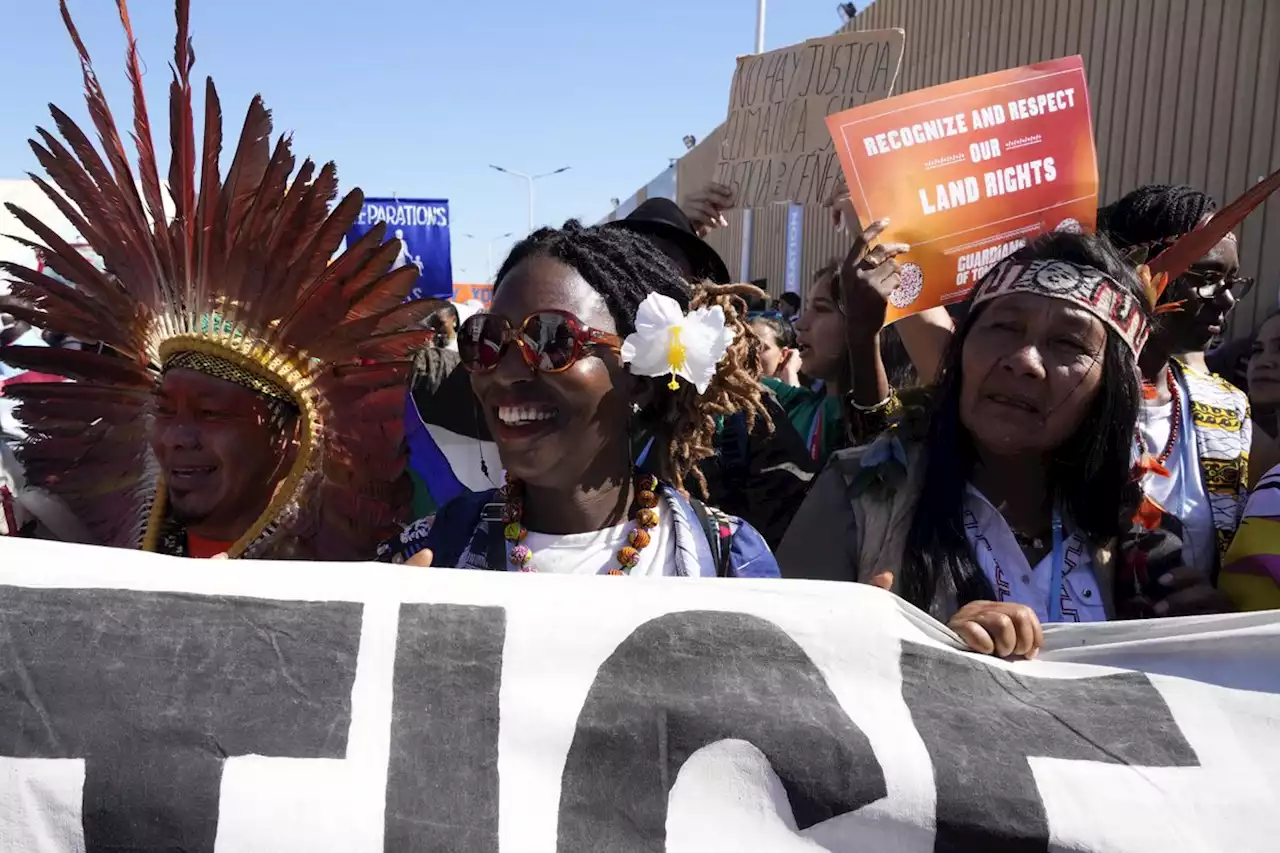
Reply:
x=646, y=518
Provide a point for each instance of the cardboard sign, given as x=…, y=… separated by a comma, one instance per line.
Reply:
x=152, y=703
x=776, y=145
x=968, y=172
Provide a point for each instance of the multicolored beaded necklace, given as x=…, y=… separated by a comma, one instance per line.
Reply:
x=646, y=518
x=1150, y=512
x=1156, y=465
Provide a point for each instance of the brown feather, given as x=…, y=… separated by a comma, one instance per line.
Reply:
x=125, y=253
x=79, y=365
x=64, y=259
x=100, y=114
x=75, y=393
x=245, y=270
x=55, y=170
x=182, y=138
x=311, y=263
x=396, y=345
x=206, y=259
x=315, y=302
x=253, y=153
x=383, y=294
x=66, y=306
x=148, y=170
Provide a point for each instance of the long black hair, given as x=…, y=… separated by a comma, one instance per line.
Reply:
x=1088, y=476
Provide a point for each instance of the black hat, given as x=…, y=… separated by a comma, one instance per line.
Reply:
x=662, y=217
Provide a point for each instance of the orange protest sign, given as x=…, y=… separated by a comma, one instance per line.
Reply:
x=481, y=293
x=968, y=172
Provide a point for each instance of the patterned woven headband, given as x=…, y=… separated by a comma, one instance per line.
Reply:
x=221, y=368
x=1085, y=287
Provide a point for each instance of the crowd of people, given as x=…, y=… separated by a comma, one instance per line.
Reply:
x=1054, y=449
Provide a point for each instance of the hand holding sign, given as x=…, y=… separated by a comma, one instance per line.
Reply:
x=868, y=278
x=843, y=215
x=706, y=208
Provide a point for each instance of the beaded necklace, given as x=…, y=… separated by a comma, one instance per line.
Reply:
x=645, y=519
x=1175, y=426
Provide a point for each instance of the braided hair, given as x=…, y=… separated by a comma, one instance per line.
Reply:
x=624, y=268
x=1155, y=213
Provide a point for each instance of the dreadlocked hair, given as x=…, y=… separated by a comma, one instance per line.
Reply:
x=624, y=268
x=1154, y=213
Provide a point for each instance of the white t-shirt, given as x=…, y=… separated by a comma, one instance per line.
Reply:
x=1013, y=579
x=596, y=552
x=1182, y=493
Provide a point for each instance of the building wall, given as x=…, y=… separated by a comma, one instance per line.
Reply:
x=1182, y=91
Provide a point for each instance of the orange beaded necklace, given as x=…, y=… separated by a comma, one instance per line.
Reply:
x=646, y=518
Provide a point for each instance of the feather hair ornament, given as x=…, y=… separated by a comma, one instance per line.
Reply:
x=1194, y=245
x=240, y=276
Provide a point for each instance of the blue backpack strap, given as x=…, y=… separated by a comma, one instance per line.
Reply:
x=719, y=530
x=490, y=537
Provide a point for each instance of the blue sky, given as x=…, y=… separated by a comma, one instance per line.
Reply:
x=417, y=98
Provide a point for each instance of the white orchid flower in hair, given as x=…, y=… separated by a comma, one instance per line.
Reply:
x=668, y=342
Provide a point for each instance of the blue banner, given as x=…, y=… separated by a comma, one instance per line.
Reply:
x=422, y=226
x=795, y=222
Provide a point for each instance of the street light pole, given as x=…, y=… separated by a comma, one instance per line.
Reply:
x=488, y=252
x=529, y=181
x=748, y=214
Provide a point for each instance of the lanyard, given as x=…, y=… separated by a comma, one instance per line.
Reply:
x=644, y=454
x=1055, y=580
x=815, y=435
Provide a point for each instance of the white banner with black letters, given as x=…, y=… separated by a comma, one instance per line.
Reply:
x=148, y=703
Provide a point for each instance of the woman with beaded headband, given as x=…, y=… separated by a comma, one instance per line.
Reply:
x=1000, y=507
x=249, y=398
x=595, y=347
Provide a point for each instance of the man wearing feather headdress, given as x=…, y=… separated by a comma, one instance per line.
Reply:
x=249, y=394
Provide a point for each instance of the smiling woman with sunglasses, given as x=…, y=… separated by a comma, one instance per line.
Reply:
x=595, y=350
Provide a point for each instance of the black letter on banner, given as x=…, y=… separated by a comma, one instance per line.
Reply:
x=442, y=783
x=982, y=723
x=686, y=680
x=155, y=690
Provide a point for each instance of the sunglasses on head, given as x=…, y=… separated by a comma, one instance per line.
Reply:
x=549, y=341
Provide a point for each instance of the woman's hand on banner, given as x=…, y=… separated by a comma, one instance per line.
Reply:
x=1190, y=594
x=422, y=559
x=999, y=628
x=706, y=208
x=867, y=277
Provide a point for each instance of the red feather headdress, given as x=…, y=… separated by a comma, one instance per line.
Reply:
x=240, y=272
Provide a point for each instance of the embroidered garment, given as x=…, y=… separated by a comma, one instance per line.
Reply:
x=1007, y=570
x=1182, y=493
x=1221, y=422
